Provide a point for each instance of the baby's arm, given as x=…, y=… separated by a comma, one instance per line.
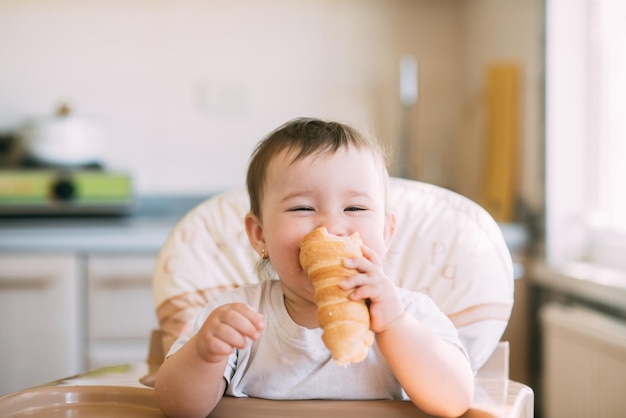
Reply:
x=191, y=382
x=435, y=374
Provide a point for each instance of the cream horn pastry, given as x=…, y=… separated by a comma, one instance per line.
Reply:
x=346, y=323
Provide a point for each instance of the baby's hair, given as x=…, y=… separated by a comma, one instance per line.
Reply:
x=306, y=136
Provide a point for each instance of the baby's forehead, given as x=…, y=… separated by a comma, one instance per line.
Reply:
x=288, y=157
x=295, y=154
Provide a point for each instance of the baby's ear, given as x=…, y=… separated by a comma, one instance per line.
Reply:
x=254, y=229
x=390, y=228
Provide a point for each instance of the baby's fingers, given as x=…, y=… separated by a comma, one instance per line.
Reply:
x=364, y=268
x=228, y=336
x=363, y=287
x=243, y=320
x=370, y=255
x=227, y=328
x=221, y=342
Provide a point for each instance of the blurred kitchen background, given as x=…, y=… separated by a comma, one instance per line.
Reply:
x=116, y=117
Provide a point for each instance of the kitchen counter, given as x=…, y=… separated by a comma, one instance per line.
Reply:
x=117, y=391
x=145, y=230
x=602, y=287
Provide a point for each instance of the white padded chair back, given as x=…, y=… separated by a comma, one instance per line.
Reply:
x=445, y=246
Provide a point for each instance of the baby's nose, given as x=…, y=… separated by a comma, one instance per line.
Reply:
x=337, y=229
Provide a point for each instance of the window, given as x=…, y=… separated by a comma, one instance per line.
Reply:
x=586, y=133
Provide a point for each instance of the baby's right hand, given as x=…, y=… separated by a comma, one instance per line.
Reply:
x=227, y=328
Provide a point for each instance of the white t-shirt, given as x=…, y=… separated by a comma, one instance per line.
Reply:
x=291, y=362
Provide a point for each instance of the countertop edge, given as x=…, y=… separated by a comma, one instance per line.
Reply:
x=584, y=287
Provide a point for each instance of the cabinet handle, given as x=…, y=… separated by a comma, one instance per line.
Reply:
x=123, y=282
x=24, y=283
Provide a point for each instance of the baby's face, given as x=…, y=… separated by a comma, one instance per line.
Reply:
x=344, y=191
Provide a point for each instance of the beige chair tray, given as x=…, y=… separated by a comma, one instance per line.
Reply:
x=81, y=402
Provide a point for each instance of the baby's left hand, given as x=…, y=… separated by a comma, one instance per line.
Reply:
x=371, y=283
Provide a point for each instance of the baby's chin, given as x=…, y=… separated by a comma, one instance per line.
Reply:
x=299, y=276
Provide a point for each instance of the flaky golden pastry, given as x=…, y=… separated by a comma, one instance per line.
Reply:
x=345, y=322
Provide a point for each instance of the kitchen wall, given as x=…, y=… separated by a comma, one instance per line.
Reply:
x=186, y=88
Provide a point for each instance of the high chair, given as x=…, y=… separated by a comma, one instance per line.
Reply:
x=445, y=246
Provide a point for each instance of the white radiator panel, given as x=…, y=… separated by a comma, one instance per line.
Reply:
x=584, y=363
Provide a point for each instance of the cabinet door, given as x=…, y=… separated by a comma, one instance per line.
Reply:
x=39, y=319
x=121, y=313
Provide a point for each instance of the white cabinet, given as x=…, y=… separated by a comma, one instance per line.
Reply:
x=40, y=319
x=120, y=308
x=61, y=314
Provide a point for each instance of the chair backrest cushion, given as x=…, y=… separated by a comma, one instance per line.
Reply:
x=445, y=245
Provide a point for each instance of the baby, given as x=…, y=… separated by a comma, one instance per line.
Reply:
x=264, y=340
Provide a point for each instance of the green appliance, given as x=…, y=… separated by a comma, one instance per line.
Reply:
x=65, y=192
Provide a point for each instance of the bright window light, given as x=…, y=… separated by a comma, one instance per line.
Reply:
x=586, y=132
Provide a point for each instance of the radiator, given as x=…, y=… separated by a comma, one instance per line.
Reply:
x=584, y=363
